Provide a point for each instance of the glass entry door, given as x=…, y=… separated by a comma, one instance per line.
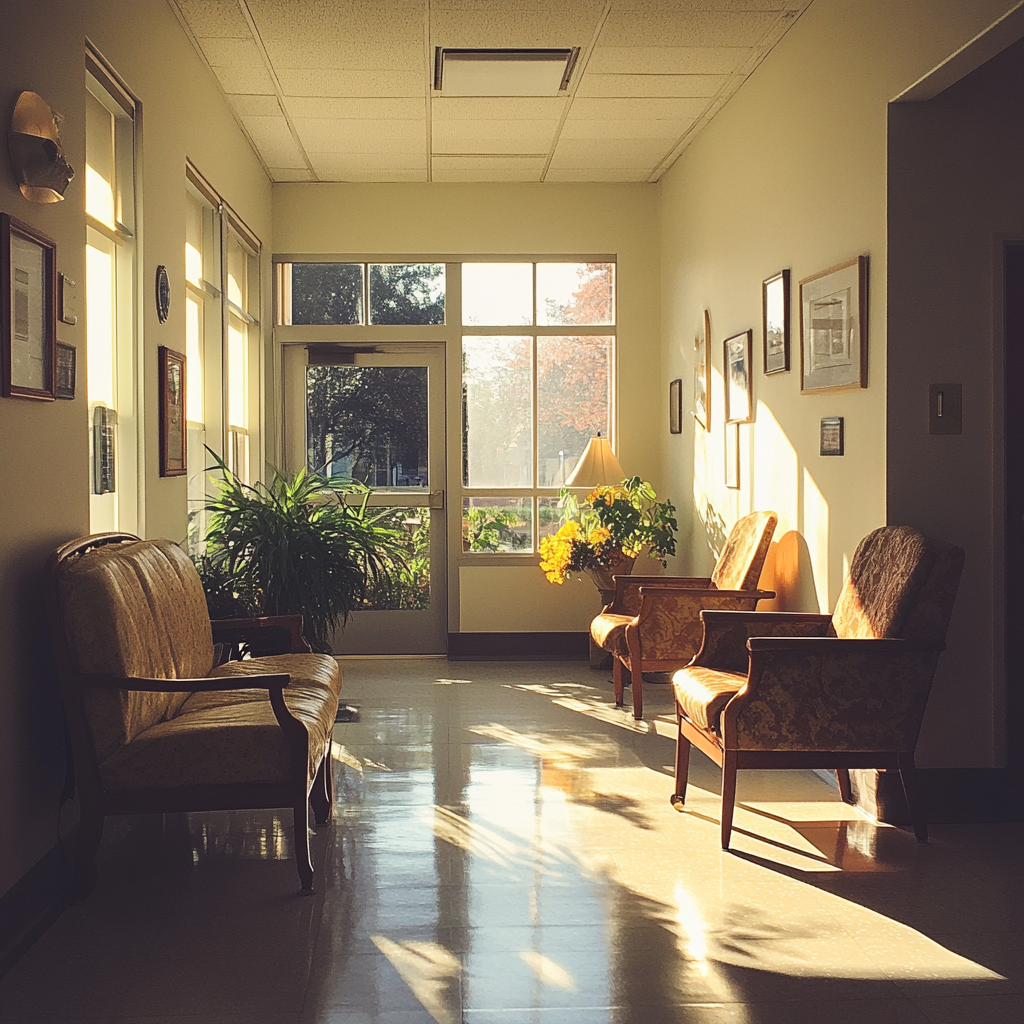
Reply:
x=375, y=415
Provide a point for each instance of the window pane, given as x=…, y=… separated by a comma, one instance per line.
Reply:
x=497, y=294
x=406, y=293
x=405, y=586
x=193, y=241
x=99, y=161
x=549, y=517
x=237, y=273
x=497, y=524
x=368, y=423
x=575, y=293
x=99, y=307
x=573, y=399
x=327, y=293
x=193, y=361
x=496, y=412
x=237, y=407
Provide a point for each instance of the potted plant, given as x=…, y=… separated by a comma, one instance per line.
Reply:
x=299, y=544
x=603, y=536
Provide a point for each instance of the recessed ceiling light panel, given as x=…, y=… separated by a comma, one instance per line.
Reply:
x=507, y=72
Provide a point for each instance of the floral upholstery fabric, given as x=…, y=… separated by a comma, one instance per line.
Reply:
x=670, y=626
x=740, y=563
x=134, y=609
x=725, y=639
x=609, y=633
x=702, y=693
x=233, y=736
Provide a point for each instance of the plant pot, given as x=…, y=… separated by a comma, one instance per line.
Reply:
x=602, y=575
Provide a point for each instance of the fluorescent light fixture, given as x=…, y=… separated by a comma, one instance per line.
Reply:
x=508, y=72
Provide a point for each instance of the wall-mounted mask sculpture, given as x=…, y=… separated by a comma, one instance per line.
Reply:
x=37, y=156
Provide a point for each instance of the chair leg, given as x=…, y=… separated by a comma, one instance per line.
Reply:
x=303, y=862
x=320, y=796
x=636, y=668
x=90, y=832
x=682, y=768
x=617, y=680
x=908, y=776
x=728, y=795
x=845, y=789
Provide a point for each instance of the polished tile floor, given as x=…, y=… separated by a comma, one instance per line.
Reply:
x=503, y=851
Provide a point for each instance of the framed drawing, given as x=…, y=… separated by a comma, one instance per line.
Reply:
x=172, y=412
x=702, y=371
x=732, y=456
x=675, y=406
x=833, y=436
x=67, y=358
x=775, y=322
x=28, y=306
x=834, y=328
x=739, y=406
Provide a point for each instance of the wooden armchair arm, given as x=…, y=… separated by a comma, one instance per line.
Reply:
x=726, y=634
x=262, y=633
x=624, y=583
x=264, y=681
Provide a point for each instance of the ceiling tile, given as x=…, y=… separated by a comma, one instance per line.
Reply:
x=530, y=163
x=547, y=26
x=649, y=85
x=610, y=153
x=232, y=53
x=274, y=141
x=493, y=136
x=252, y=81
x=486, y=174
x=624, y=109
x=694, y=28
x=356, y=107
x=333, y=82
x=369, y=161
x=686, y=7
x=667, y=60
x=290, y=174
x=337, y=135
x=636, y=128
x=496, y=108
x=255, y=106
x=217, y=18
x=347, y=56
x=597, y=174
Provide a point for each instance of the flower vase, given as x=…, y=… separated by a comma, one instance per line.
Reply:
x=619, y=565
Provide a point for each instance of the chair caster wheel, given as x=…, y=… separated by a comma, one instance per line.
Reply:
x=677, y=802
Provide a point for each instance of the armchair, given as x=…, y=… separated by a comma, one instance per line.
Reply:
x=159, y=722
x=652, y=624
x=795, y=690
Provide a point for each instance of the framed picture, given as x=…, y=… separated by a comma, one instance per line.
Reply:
x=834, y=328
x=67, y=359
x=702, y=371
x=739, y=407
x=172, y=412
x=675, y=406
x=28, y=297
x=732, y=455
x=775, y=322
x=832, y=440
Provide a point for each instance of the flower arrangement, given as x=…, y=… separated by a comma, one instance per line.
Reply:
x=613, y=525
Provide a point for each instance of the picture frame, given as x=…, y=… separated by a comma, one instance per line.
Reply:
x=732, y=456
x=172, y=412
x=832, y=438
x=66, y=373
x=739, y=404
x=28, y=310
x=834, y=328
x=775, y=322
x=675, y=406
x=702, y=370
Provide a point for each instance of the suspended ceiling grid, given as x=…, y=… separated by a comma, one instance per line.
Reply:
x=342, y=90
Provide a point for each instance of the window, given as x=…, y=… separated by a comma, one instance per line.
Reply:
x=109, y=295
x=242, y=351
x=537, y=367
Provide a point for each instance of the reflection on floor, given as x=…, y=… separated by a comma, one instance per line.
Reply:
x=503, y=850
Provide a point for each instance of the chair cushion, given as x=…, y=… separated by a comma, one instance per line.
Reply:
x=134, y=609
x=232, y=736
x=609, y=633
x=740, y=563
x=702, y=694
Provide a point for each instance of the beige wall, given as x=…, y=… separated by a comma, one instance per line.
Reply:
x=44, y=453
x=792, y=173
x=456, y=219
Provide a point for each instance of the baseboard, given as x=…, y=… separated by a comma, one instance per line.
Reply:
x=949, y=795
x=31, y=905
x=518, y=646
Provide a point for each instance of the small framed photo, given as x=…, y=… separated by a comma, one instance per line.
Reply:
x=834, y=328
x=739, y=406
x=732, y=456
x=675, y=406
x=702, y=371
x=833, y=439
x=775, y=322
x=67, y=359
x=172, y=412
x=28, y=306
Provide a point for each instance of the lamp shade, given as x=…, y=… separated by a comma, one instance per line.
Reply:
x=598, y=465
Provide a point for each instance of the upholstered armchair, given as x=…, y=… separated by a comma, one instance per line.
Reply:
x=795, y=690
x=653, y=622
x=159, y=722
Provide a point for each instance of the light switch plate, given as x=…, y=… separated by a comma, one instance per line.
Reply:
x=68, y=301
x=945, y=409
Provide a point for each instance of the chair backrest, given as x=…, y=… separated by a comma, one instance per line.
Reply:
x=742, y=559
x=901, y=584
x=131, y=608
